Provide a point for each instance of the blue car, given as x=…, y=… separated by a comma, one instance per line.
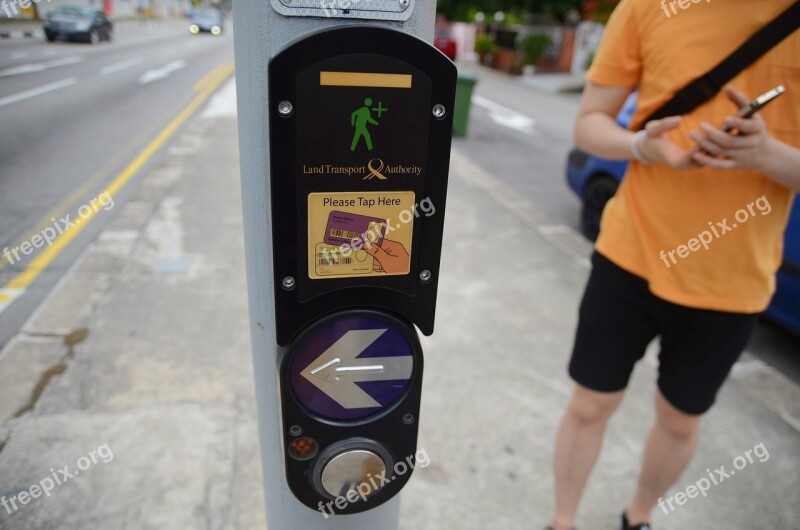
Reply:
x=595, y=181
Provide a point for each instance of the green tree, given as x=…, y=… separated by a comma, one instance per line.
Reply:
x=465, y=11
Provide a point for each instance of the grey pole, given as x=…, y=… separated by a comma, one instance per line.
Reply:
x=260, y=33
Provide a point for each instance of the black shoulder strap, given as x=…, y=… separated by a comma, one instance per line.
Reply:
x=709, y=84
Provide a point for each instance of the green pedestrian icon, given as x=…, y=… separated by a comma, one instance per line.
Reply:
x=360, y=119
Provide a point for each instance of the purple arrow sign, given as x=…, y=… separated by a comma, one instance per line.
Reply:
x=351, y=368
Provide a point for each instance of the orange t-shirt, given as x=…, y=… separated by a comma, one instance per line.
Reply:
x=721, y=232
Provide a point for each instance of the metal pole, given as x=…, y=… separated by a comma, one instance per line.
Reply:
x=260, y=33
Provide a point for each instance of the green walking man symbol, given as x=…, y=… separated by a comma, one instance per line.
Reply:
x=360, y=119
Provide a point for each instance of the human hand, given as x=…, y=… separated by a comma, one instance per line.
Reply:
x=391, y=257
x=659, y=149
x=740, y=143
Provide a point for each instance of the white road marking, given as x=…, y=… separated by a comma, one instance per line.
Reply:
x=65, y=61
x=161, y=73
x=38, y=91
x=20, y=55
x=23, y=69
x=223, y=104
x=38, y=67
x=7, y=296
x=122, y=65
x=507, y=117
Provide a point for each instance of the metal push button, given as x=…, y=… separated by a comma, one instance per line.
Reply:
x=357, y=465
x=351, y=471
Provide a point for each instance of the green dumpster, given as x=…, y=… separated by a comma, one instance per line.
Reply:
x=464, y=87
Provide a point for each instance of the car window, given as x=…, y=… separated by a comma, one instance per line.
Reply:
x=207, y=14
x=74, y=11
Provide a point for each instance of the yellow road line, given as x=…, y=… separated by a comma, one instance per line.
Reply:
x=212, y=81
x=222, y=70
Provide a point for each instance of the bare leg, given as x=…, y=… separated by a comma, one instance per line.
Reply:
x=669, y=448
x=580, y=438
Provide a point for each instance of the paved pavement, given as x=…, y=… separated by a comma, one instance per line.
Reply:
x=142, y=352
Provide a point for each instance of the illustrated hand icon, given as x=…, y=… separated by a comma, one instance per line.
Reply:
x=391, y=257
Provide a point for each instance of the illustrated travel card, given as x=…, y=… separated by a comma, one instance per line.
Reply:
x=341, y=223
x=331, y=260
x=343, y=227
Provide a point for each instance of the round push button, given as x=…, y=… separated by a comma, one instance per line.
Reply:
x=352, y=471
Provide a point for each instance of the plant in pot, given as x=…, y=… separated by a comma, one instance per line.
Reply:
x=485, y=47
x=533, y=47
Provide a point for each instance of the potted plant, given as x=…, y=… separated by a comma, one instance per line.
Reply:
x=485, y=47
x=533, y=47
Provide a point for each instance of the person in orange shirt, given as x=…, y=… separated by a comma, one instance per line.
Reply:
x=689, y=247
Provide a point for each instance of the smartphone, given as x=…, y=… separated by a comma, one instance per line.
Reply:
x=757, y=104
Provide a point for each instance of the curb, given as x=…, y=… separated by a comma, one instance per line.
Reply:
x=22, y=34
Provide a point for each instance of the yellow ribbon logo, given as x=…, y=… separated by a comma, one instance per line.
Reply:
x=375, y=172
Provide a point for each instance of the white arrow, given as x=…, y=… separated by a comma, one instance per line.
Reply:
x=506, y=117
x=337, y=370
x=23, y=69
x=39, y=67
x=160, y=73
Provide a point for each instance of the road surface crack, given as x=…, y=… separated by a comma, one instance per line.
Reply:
x=71, y=339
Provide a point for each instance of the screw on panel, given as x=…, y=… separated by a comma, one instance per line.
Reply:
x=404, y=3
x=425, y=276
x=288, y=283
x=439, y=111
x=408, y=418
x=285, y=108
x=295, y=430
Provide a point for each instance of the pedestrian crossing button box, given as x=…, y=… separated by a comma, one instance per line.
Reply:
x=360, y=131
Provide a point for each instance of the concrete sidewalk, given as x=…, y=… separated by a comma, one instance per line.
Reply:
x=546, y=83
x=143, y=351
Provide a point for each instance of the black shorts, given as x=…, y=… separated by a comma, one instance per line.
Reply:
x=618, y=319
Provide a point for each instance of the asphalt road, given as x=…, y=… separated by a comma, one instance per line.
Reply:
x=72, y=118
x=522, y=137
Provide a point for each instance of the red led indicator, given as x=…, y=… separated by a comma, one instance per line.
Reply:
x=304, y=448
